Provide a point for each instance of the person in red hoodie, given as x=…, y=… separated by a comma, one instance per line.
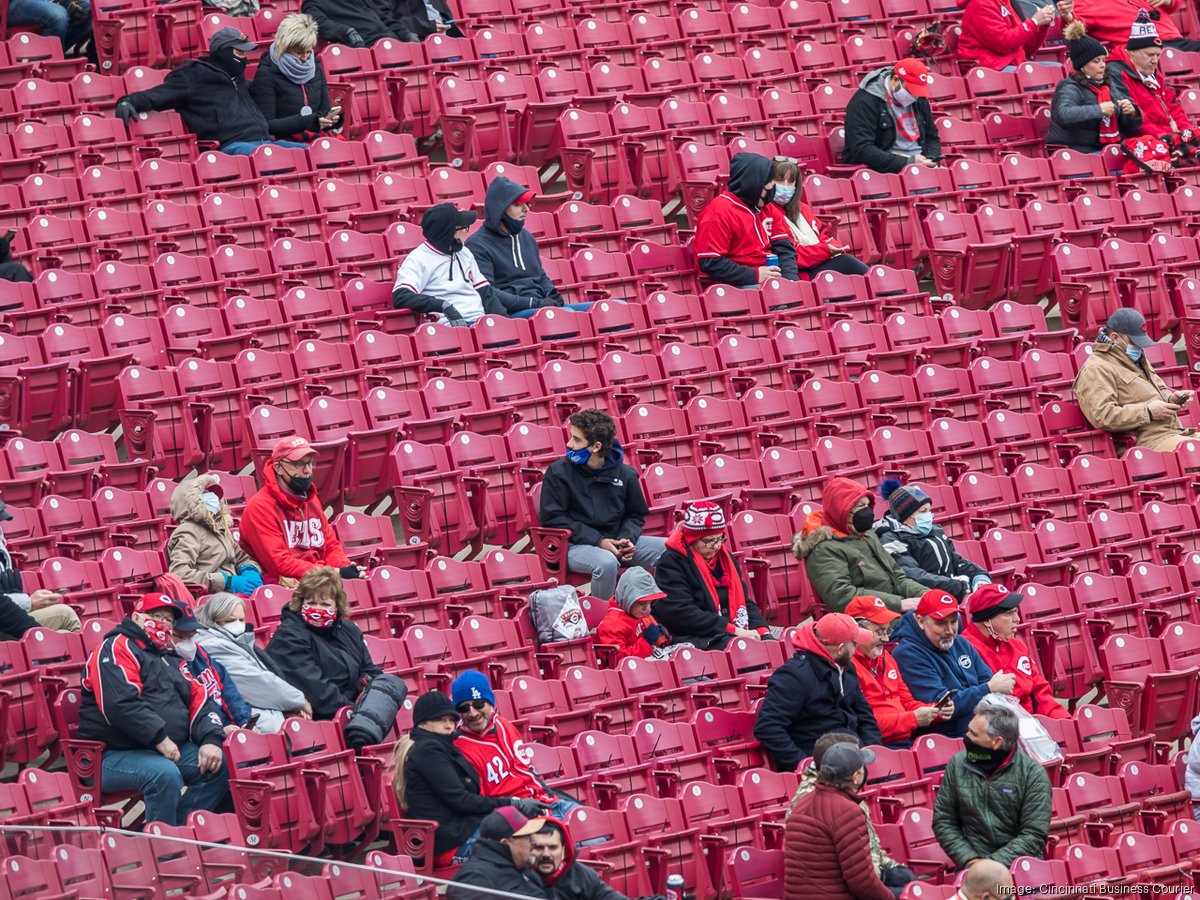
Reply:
x=565, y=877
x=1109, y=21
x=993, y=632
x=995, y=35
x=628, y=625
x=817, y=250
x=898, y=714
x=284, y=526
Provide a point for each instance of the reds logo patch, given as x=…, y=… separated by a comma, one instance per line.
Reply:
x=893, y=674
x=1024, y=665
x=964, y=661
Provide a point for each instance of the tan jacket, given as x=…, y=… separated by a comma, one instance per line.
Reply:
x=1113, y=392
x=202, y=549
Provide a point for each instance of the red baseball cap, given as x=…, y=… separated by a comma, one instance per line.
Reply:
x=526, y=197
x=184, y=620
x=938, y=605
x=873, y=609
x=915, y=75
x=292, y=449
x=838, y=628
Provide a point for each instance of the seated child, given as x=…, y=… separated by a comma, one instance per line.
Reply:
x=628, y=624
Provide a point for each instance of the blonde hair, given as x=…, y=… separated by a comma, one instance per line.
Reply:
x=399, y=785
x=296, y=32
x=318, y=581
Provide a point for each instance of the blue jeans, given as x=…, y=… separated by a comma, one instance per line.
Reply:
x=558, y=810
x=604, y=567
x=245, y=148
x=161, y=781
x=574, y=307
x=52, y=19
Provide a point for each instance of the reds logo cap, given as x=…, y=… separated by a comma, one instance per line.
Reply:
x=915, y=75
x=873, y=609
x=292, y=449
x=938, y=605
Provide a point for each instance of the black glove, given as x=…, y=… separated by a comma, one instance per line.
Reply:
x=354, y=39
x=10, y=582
x=125, y=111
x=539, y=302
x=348, y=572
x=528, y=807
x=453, y=316
x=656, y=635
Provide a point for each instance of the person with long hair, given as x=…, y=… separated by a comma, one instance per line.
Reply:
x=1091, y=108
x=290, y=86
x=817, y=250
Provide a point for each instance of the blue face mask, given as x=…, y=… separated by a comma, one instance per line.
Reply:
x=923, y=523
x=784, y=193
x=1134, y=353
x=580, y=456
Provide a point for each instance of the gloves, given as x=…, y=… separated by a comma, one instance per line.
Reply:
x=348, y=572
x=528, y=807
x=539, y=302
x=125, y=111
x=245, y=581
x=10, y=582
x=354, y=39
x=656, y=636
x=453, y=316
x=979, y=581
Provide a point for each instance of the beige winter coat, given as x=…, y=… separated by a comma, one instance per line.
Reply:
x=1113, y=392
x=201, y=549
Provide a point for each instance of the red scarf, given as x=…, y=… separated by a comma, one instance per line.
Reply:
x=1110, y=131
x=729, y=578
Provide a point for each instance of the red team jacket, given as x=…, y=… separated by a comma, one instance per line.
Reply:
x=888, y=695
x=503, y=763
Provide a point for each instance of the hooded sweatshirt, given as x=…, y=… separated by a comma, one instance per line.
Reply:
x=287, y=534
x=594, y=503
x=618, y=627
x=573, y=880
x=890, y=699
x=1162, y=113
x=930, y=672
x=735, y=235
x=510, y=262
x=202, y=549
x=1032, y=689
x=872, y=136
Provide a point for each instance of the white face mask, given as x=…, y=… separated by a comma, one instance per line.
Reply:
x=902, y=97
x=211, y=502
x=186, y=648
x=237, y=627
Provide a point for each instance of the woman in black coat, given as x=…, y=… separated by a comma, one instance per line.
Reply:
x=434, y=781
x=318, y=649
x=706, y=600
x=289, y=86
x=1091, y=107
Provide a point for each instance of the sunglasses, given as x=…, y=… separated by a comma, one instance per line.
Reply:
x=476, y=705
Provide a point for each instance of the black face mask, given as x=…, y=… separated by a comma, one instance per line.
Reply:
x=299, y=484
x=514, y=226
x=984, y=757
x=862, y=520
x=228, y=63
x=455, y=245
x=768, y=196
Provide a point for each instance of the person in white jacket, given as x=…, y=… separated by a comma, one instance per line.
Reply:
x=1191, y=777
x=227, y=638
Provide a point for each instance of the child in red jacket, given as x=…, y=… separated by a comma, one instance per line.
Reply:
x=628, y=624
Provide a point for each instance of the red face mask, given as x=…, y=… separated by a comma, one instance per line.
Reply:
x=158, y=632
x=318, y=617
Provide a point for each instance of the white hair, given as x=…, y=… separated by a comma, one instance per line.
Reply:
x=296, y=32
x=217, y=607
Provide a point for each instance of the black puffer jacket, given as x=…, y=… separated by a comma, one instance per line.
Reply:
x=441, y=785
x=594, y=503
x=214, y=106
x=491, y=866
x=1075, y=114
x=687, y=612
x=927, y=558
x=282, y=101
x=331, y=665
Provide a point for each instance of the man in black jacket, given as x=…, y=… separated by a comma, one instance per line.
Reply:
x=598, y=498
x=501, y=859
x=212, y=96
x=563, y=875
x=159, y=729
x=816, y=691
x=11, y=269
x=889, y=123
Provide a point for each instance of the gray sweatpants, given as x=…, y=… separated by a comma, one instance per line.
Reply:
x=604, y=567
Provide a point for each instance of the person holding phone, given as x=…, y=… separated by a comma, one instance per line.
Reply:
x=290, y=85
x=1119, y=391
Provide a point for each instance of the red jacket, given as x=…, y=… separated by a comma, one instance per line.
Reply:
x=826, y=851
x=815, y=254
x=1032, y=689
x=729, y=228
x=994, y=36
x=503, y=763
x=1109, y=21
x=288, y=535
x=888, y=695
x=624, y=631
x=1162, y=113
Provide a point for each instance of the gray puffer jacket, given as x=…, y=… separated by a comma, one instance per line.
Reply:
x=1075, y=114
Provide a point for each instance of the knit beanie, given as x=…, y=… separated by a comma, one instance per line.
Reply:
x=701, y=519
x=471, y=685
x=1081, y=45
x=1143, y=33
x=903, y=499
x=432, y=705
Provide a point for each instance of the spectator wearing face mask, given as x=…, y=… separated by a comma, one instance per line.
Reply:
x=741, y=227
x=211, y=675
x=815, y=691
x=1091, y=108
x=842, y=555
x=202, y=549
x=817, y=250
x=920, y=547
x=228, y=640
x=284, y=525
x=212, y=96
x=159, y=729
x=1119, y=391
x=993, y=632
x=889, y=123
x=442, y=276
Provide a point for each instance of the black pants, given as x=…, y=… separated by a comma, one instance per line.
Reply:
x=1188, y=46
x=844, y=264
x=896, y=877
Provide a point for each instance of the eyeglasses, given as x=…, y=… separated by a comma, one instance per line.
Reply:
x=714, y=541
x=476, y=705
